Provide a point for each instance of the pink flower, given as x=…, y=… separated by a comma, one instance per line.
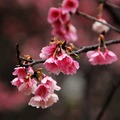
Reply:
x=26, y=86
x=96, y=57
x=61, y=63
x=67, y=32
x=60, y=22
x=56, y=15
x=30, y=70
x=50, y=83
x=70, y=5
x=17, y=82
x=99, y=27
x=47, y=51
x=110, y=56
x=44, y=94
x=51, y=65
x=67, y=64
x=20, y=72
x=37, y=101
x=53, y=14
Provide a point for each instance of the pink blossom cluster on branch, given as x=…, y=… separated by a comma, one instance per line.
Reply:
x=59, y=18
x=38, y=84
x=56, y=57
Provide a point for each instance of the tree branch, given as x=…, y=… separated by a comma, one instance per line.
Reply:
x=79, y=51
x=107, y=102
x=111, y=5
x=93, y=47
x=95, y=19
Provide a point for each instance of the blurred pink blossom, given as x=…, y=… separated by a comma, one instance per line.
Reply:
x=99, y=27
x=70, y=6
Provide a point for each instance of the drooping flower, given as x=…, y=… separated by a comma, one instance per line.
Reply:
x=23, y=81
x=60, y=20
x=44, y=94
x=51, y=65
x=52, y=84
x=26, y=85
x=61, y=63
x=37, y=101
x=47, y=51
x=101, y=58
x=66, y=64
x=110, y=56
x=20, y=72
x=67, y=32
x=96, y=57
x=99, y=27
x=70, y=5
x=53, y=14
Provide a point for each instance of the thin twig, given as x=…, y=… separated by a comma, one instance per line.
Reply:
x=18, y=55
x=79, y=51
x=93, y=47
x=107, y=102
x=111, y=5
x=95, y=19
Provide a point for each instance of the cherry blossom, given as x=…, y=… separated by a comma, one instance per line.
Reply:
x=47, y=51
x=99, y=27
x=44, y=94
x=62, y=63
x=110, y=56
x=26, y=85
x=37, y=101
x=23, y=81
x=20, y=72
x=67, y=32
x=101, y=58
x=70, y=5
x=96, y=57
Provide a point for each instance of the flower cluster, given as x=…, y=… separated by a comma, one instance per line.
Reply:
x=59, y=18
x=38, y=84
x=23, y=81
x=57, y=59
x=101, y=58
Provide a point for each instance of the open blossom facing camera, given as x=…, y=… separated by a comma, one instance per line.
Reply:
x=44, y=94
x=99, y=27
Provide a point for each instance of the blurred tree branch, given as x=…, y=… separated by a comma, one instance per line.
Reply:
x=95, y=19
x=108, y=100
x=81, y=50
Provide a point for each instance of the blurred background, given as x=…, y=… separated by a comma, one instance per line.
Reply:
x=82, y=95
